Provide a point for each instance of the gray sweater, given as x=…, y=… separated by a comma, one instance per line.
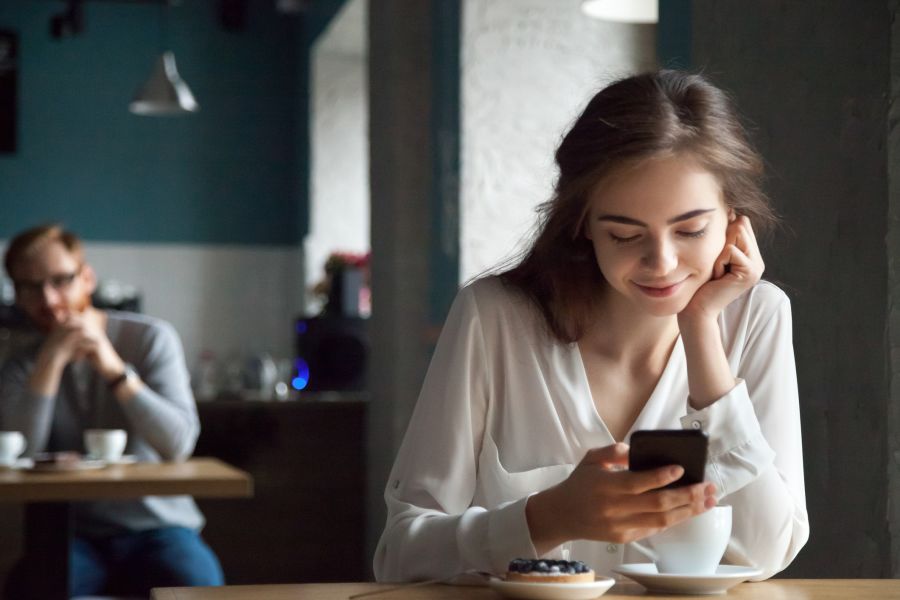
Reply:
x=161, y=420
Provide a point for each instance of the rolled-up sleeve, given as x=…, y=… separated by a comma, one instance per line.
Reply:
x=755, y=452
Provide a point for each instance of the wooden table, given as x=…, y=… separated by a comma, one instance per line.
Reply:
x=774, y=589
x=48, y=497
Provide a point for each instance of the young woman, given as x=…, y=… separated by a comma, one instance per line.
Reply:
x=638, y=306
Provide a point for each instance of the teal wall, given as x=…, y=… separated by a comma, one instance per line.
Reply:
x=233, y=173
x=673, y=34
x=445, y=131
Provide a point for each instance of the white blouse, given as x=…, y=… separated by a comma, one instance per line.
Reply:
x=506, y=411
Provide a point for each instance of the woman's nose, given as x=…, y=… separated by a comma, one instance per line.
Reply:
x=660, y=257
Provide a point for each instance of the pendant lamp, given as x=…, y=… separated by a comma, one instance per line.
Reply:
x=622, y=11
x=164, y=92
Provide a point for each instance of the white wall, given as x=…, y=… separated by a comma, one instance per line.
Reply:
x=339, y=206
x=233, y=300
x=529, y=67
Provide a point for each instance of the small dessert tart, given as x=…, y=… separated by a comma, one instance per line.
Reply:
x=541, y=570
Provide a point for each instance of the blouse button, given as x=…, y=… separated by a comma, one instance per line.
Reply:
x=696, y=424
x=396, y=483
x=612, y=548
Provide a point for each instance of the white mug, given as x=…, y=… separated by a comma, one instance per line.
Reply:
x=692, y=547
x=105, y=444
x=12, y=445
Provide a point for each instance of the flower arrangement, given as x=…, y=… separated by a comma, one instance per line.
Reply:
x=342, y=260
x=337, y=267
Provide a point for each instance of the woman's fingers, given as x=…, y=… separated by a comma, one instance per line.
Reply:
x=637, y=524
x=747, y=243
x=660, y=520
x=639, y=482
x=721, y=261
x=608, y=457
x=744, y=267
x=749, y=236
x=739, y=264
x=668, y=499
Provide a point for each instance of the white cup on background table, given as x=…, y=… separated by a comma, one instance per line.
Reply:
x=12, y=445
x=105, y=444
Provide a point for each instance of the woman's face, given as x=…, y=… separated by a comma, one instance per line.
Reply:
x=657, y=229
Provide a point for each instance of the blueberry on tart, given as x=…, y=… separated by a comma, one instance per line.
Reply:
x=542, y=570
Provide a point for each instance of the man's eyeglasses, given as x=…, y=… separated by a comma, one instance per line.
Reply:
x=60, y=283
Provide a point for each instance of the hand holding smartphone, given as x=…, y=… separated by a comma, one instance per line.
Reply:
x=651, y=449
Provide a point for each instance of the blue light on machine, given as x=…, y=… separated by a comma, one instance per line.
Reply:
x=302, y=379
x=301, y=327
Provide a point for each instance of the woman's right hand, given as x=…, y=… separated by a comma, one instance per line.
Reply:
x=601, y=500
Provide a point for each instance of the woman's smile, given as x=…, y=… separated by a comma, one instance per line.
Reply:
x=660, y=290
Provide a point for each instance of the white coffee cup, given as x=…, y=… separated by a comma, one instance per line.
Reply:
x=692, y=547
x=12, y=445
x=105, y=444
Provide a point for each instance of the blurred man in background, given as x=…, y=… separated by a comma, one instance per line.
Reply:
x=98, y=369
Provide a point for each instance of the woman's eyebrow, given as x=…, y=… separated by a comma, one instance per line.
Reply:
x=629, y=221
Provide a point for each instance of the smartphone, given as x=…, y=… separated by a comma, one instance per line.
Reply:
x=655, y=448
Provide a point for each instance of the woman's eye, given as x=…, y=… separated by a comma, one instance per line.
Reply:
x=693, y=234
x=623, y=240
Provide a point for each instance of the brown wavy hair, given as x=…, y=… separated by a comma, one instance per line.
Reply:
x=646, y=116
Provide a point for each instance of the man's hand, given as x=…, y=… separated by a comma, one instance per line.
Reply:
x=66, y=343
x=98, y=349
x=80, y=337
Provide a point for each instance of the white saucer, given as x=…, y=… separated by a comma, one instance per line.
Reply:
x=125, y=459
x=21, y=463
x=80, y=465
x=552, y=591
x=725, y=577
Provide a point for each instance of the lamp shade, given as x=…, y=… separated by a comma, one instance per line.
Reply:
x=622, y=11
x=164, y=92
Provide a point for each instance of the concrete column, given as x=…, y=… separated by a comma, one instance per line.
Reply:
x=814, y=80
x=893, y=254
x=401, y=64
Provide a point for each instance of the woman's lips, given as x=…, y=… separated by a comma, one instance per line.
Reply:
x=657, y=291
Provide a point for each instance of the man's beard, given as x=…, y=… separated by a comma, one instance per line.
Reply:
x=80, y=305
x=47, y=320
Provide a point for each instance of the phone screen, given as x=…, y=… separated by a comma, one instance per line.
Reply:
x=651, y=449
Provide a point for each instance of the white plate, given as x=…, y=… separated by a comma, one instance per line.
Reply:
x=552, y=591
x=725, y=577
x=21, y=463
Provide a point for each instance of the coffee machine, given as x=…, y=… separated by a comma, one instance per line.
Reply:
x=332, y=353
x=333, y=347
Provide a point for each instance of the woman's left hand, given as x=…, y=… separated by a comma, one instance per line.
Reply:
x=737, y=269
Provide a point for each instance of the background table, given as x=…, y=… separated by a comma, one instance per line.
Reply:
x=774, y=589
x=48, y=514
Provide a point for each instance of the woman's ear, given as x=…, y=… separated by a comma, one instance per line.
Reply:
x=731, y=215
